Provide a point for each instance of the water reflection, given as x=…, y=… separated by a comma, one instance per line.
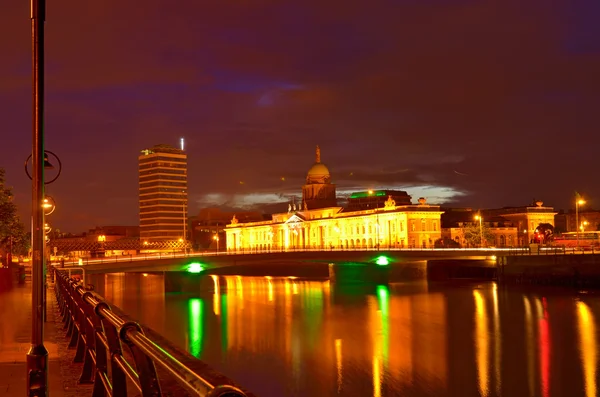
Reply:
x=292, y=337
x=588, y=347
x=482, y=343
x=530, y=346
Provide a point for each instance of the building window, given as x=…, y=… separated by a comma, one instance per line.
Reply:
x=412, y=228
x=423, y=225
x=435, y=226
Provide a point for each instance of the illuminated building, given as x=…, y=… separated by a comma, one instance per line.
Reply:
x=501, y=232
x=318, y=223
x=375, y=199
x=162, y=193
x=318, y=192
x=526, y=218
x=509, y=226
x=210, y=222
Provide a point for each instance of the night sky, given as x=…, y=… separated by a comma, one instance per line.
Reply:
x=475, y=103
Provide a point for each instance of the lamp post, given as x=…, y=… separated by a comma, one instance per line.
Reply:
x=376, y=219
x=184, y=212
x=216, y=238
x=480, y=219
x=578, y=201
x=37, y=356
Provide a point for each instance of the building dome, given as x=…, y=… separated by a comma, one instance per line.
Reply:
x=318, y=173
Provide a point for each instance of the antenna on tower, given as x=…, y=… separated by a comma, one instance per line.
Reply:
x=182, y=144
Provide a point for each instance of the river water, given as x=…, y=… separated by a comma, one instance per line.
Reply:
x=289, y=337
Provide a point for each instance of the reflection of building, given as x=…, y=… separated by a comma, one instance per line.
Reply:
x=319, y=224
x=162, y=193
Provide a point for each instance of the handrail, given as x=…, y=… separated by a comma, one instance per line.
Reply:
x=252, y=251
x=98, y=334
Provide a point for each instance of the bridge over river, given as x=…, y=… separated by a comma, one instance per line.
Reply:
x=210, y=261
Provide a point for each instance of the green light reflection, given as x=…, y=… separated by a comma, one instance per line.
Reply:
x=224, y=321
x=383, y=300
x=313, y=300
x=195, y=314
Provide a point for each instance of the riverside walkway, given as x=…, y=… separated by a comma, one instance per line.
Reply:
x=15, y=336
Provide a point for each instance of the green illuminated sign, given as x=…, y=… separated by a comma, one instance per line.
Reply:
x=195, y=268
x=376, y=193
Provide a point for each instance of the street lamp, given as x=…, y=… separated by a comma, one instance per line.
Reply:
x=376, y=219
x=480, y=219
x=184, y=223
x=216, y=238
x=578, y=201
x=583, y=225
x=37, y=356
x=48, y=205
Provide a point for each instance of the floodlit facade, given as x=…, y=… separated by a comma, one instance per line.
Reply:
x=162, y=193
x=326, y=226
x=526, y=219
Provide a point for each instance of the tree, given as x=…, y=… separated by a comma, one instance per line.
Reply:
x=446, y=242
x=544, y=233
x=472, y=235
x=13, y=237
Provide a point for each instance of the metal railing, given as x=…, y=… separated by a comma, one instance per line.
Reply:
x=249, y=251
x=98, y=335
x=555, y=250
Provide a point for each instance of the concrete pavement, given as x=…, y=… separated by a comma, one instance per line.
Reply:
x=15, y=336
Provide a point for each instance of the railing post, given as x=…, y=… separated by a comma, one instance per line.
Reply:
x=118, y=377
x=90, y=324
x=144, y=365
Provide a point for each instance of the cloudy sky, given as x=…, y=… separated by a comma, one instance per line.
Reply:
x=478, y=103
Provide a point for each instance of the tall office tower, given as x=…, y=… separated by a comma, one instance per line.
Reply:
x=162, y=193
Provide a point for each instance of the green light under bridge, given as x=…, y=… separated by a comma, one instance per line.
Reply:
x=195, y=267
x=382, y=260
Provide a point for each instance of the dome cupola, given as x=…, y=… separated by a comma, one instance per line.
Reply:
x=318, y=173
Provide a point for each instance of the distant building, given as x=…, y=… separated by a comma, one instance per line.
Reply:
x=318, y=192
x=113, y=233
x=526, y=219
x=162, y=193
x=211, y=222
x=589, y=220
x=318, y=223
x=375, y=199
x=455, y=221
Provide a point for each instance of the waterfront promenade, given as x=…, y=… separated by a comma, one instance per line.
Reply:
x=15, y=336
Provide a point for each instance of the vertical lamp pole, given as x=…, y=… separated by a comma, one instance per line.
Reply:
x=578, y=201
x=480, y=219
x=184, y=227
x=37, y=356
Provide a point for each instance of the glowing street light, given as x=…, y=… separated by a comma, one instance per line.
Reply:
x=578, y=201
x=216, y=238
x=48, y=205
x=480, y=219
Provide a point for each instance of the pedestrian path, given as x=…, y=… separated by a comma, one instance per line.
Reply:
x=15, y=337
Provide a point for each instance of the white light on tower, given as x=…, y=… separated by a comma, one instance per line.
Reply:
x=182, y=144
